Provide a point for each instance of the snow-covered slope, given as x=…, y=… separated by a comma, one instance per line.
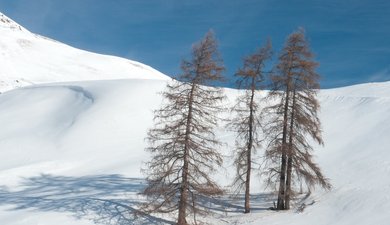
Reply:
x=71, y=153
x=28, y=58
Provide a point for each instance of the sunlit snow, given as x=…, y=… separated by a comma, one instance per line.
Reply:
x=71, y=152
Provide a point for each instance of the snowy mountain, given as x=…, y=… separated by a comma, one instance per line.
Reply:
x=28, y=58
x=71, y=152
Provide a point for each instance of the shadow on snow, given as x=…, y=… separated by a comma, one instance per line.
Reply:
x=106, y=199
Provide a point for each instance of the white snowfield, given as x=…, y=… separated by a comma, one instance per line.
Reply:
x=71, y=153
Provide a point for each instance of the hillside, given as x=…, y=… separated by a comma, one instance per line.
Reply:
x=72, y=143
x=65, y=145
x=28, y=58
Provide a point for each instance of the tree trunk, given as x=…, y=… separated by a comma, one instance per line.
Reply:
x=290, y=154
x=183, y=197
x=282, y=181
x=249, y=154
x=184, y=186
x=288, y=184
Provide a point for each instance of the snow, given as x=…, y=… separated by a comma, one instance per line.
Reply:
x=27, y=58
x=71, y=152
x=83, y=140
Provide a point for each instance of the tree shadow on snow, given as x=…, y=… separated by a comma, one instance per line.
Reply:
x=105, y=199
x=235, y=203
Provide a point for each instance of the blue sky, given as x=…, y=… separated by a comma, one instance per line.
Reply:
x=350, y=38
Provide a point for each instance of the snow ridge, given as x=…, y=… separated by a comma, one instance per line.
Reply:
x=6, y=22
x=32, y=59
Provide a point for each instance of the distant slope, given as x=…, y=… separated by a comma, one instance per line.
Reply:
x=28, y=58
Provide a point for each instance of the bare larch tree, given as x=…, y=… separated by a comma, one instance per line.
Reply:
x=293, y=118
x=182, y=142
x=246, y=121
